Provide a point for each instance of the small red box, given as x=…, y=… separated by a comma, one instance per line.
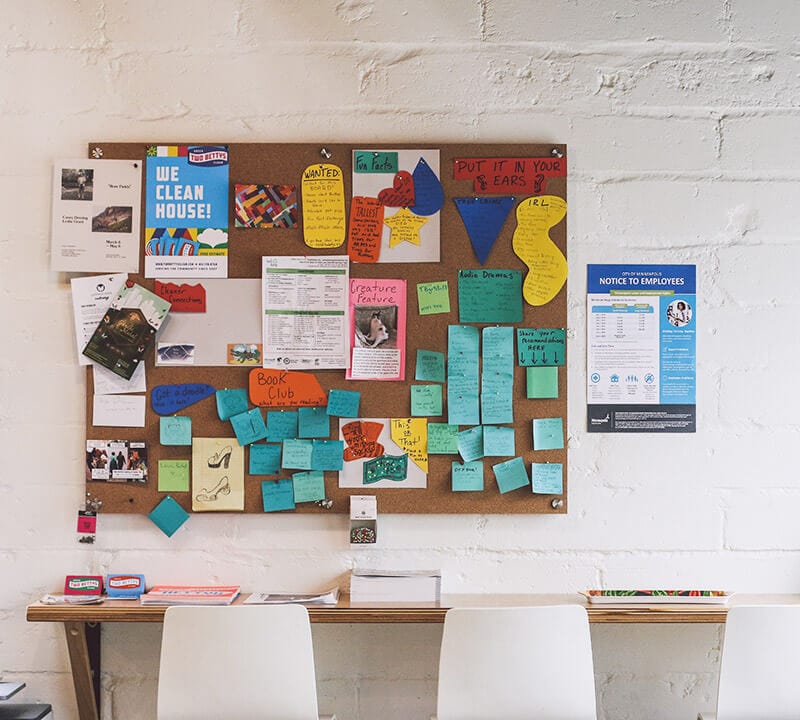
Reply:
x=83, y=585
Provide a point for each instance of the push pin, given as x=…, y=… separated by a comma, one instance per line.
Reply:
x=555, y=152
x=325, y=503
x=93, y=504
x=327, y=154
x=556, y=503
x=97, y=153
x=87, y=539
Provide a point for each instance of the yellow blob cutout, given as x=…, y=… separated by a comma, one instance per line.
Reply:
x=411, y=434
x=323, y=206
x=547, y=266
x=404, y=226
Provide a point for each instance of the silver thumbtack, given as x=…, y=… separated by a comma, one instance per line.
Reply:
x=325, y=153
x=556, y=503
x=93, y=504
x=325, y=503
x=97, y=153
x=555, y=152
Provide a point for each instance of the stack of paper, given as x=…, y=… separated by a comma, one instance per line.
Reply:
x=395, y=586
x=329, y=597
x=190, y=595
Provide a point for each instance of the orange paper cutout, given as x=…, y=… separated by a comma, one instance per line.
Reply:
x=285, y=388
x=366, y=228
x=361, y=438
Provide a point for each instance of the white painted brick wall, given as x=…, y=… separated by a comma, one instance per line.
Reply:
x=681, y=117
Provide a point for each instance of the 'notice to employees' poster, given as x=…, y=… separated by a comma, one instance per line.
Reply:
x=641, y=360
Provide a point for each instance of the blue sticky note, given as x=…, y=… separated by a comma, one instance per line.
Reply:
x=231, y=402
x=511, y=475
x=468, y=476
x=489, y=296
x=277, y=495
x=548, y=478
x=168, y=399
x=498, y=441
x=430, y=366
x=548, y=434
x=343, y=403
x=313, y=422
x=175, y=430
x=463, y=406
x=249, y=426
x=497, y=376
x=296, y=454
x=426, y=400
x=309, y=486
x=281, y=425
x=483, y=217
x=442, y=439
x=265, y=459
x=327, y=454
x=470, y=443
x=168, y=516
x=541, y=346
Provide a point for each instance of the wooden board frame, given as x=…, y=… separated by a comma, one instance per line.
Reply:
x=283, y=163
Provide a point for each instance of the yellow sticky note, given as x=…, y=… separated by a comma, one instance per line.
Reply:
x=323, y=206
x=405, y=227
x=411, y=434
x=547, y=266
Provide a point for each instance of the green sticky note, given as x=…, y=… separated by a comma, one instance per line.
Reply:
x=175, y=430
x=548, y=478
x=511, y=475
x=470, y=443
x=430, y=366
x=375, y=161
x=442, y=439
x=489, y=296
x=541, y=346
x=173, y=476
x=313, y=422
x=467, y=477
x=309, y=486
x=433, y=298
x=296, y=454
x=548, y=434
x=542, y=382
x=426, y=400
x=498, y=441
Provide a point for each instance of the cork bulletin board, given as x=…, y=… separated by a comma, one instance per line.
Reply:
x=284, y=164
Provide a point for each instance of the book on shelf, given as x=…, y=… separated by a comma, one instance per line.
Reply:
x=190, y=595
x=328, y=597
x=395, y=586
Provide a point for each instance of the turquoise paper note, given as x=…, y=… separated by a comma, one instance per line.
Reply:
x=463, y=407
x=265, y=459
x=175, y=430
x=231, y=402
x=442, y=439
x=548, y=478
x=313, y=422
x=249, y=426
x=296, y=454
x=281, y=425
x=541, y=346
x=277, y=495
x=467, y=477
x=497, y=376
x=426, y=400
x=548, y=434
x=327, y=454
x=430, y=366
x=470, y=443
x=511, y=475
x=498, y=441
x=542, y=382
x=309, y=486
x=489, y=296
x=168, y=516
x=343, y=403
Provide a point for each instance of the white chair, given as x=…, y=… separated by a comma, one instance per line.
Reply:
x=520, y=663
x=758, y=669
x=245, y=662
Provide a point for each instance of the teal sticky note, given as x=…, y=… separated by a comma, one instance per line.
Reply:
x=548, y=434
x=231, y=402
x=375, y=161
x=265, y=459
x=430, y=366
x=168, y=516
x=281, y=425
x=442, y=439
x=173, y=476
x=175, y=430
x=343, y=403
x=433, y=298
x=498, y=441
x=489, y=296
x=541, y=346
x=426, y=400
x=548, y=478
x=249, y=426
x=497, y=376
x=542, y=382
x=463, y=406
x=313, y=422
x=467, y=477
x=296, y=454
x=470, y=443
x=309, y=486
x=511, y=475
x=327, y=454
x=277, y=495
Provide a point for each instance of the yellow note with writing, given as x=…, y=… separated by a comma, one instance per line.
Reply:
x=411, y=434
x=547, y=266
x=323, y=206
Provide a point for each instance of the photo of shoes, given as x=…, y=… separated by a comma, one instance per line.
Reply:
x=223, y=487
x=220, y=457
x=217, y=475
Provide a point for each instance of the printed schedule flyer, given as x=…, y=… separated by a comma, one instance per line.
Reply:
x=640, y=346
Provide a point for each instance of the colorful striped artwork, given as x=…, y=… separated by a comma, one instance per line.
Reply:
x=266, y=206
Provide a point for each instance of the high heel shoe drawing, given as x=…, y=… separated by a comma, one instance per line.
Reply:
x=221, y=456
x=223, y=487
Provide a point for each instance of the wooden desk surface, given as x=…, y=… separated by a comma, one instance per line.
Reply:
x=347, y=612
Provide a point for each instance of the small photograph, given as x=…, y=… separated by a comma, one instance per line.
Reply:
x=113, y=219
x=172, y=354
x=77, y=184
x=131, y=461
x=97, y=460
x=679, y=313
x=375, y=326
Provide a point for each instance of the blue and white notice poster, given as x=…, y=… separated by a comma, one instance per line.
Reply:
x=640, y=348
x=186, y=211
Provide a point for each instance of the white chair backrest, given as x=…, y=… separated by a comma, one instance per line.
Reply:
x=760, y=660
x=516, y=664
x=237, y=662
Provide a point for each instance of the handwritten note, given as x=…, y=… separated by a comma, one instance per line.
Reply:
x=265, y=459
x=511, y=475
x=470, y=443
x=405, y=227
x=548, y=478
x=548, y=433
x=323, y=206
x=168, y=399
x=249, y=426
x=313, y=422
x=296, y=455
x=231, y=402
x=430, y=366
x=361, y=438
x=118, y=410
x=489, y=296
x=281, y=425
x=173, y=476
x=467, y=477
x=308, y=486
x=327, y=454
x=366, y=229
x=411, y=434
x=285, y=388
x=343, y=403
x=442, y=439
x=426, y=400
x=483, y=218
x=463, y=407
x=498, y=441
x=522, y=175
x=497, y=376
x=542, y=382
x=175, y=430
x=277, y=495
x=184, y=298
x=374, y=161
x=541, y=346
x=433, y=298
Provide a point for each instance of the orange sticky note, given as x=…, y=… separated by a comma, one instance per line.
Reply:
x=285, y=388
x=366, y=228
